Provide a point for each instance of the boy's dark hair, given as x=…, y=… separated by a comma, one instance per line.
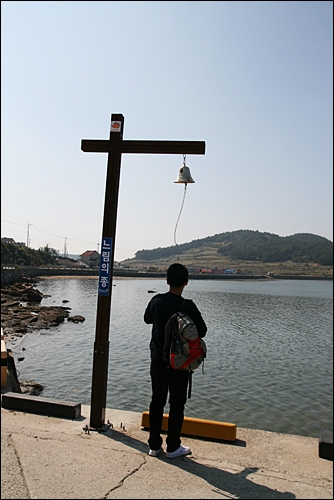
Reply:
x=177, y=274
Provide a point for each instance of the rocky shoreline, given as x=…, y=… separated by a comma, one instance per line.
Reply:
x=21, y=313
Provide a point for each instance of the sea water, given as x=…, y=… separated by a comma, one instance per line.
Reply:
x=269, y=364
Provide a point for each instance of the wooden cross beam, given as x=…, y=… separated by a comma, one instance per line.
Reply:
x=146, y=147
x=115, y=147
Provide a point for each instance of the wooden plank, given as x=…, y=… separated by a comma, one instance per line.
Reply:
x=198, y=427
x=325, y=449
x=146, y=147
x=95, y=146
x=164, y=147
x=41, y=406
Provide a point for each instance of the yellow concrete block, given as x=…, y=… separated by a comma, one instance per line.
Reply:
x=198, y=427
x=3, y=364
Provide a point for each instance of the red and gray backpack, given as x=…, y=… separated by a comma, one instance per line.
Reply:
x=183, y=348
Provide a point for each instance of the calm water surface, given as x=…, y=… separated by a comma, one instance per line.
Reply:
x=270, y=345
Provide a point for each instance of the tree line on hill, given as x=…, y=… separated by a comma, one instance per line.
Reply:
x=255, y=246
x=21, y=255
x=237, y=245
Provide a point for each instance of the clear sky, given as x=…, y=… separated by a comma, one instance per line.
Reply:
x=254, y=80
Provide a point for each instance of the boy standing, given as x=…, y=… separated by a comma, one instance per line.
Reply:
x=164, y=378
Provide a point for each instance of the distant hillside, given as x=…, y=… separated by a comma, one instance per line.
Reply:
x=251, y=246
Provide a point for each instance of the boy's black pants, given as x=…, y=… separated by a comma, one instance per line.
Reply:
x=165, y=379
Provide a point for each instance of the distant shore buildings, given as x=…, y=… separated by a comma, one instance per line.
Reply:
x=91, y=258
x=13, y=242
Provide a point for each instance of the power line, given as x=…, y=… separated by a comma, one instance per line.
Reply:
x=22, y=225
x=39, y=230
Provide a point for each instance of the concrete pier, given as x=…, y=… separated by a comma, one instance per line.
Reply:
x=47, y=457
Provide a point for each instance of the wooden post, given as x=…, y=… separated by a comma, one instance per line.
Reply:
x=101, y=344
x=115, y=146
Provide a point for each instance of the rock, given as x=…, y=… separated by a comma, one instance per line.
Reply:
x=23, y=291
x=29, y=386
x=21, y=312
x=54, y=316
x=25, y=316
x=33, y=295
x=76, y=319
x=5, y=303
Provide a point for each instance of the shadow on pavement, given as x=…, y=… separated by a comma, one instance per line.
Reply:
x=236, y=484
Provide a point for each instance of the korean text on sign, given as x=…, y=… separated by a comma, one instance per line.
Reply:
x=105, y=266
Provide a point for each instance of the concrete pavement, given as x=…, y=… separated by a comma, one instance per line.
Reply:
x=47, y=457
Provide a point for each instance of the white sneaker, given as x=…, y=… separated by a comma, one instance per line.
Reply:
x=154, y=453
x=183, y=450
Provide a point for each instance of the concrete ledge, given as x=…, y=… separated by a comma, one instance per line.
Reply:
x=40, y=406
x=198, y=427
x=326, y=449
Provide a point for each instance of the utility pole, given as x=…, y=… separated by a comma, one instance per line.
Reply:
x=115, y=147
x=28, y=239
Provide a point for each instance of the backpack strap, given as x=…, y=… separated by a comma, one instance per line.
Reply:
x=184, y=307
x=170, y=325
x=190, y=383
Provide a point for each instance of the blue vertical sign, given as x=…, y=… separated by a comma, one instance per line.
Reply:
x=105, y=261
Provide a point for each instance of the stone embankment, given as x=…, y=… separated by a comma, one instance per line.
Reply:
x=17, y=275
